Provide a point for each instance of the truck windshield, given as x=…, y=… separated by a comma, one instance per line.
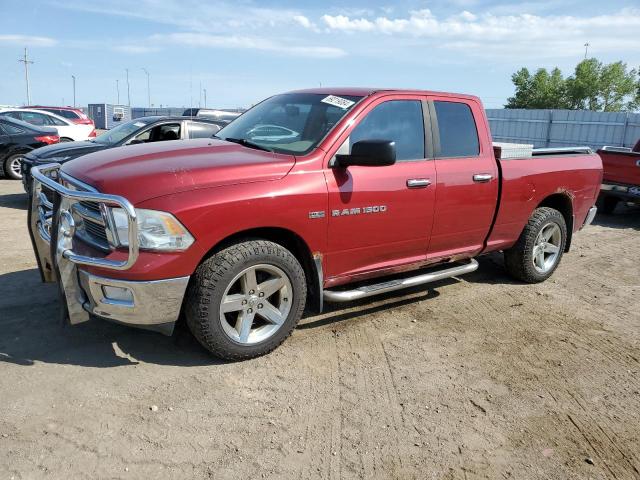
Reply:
x=292, y=123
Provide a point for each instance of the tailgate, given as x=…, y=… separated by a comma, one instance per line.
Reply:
x=621, y=167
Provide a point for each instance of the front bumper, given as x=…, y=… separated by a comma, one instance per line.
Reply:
x=53, y=222
x=153, y=304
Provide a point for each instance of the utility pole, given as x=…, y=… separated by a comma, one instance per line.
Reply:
x=205, y=98
x=148, y=88
x=586, y=49
x=128, y=92
x=26, y=62
x=118, y=91
x=73, y=77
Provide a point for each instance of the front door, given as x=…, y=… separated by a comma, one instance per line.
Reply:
x=380, y=217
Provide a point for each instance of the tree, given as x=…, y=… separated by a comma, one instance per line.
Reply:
x=594, y=86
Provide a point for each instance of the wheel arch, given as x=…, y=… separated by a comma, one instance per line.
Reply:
x=292, y=242
x=564, y=204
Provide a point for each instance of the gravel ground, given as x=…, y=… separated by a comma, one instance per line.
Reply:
x=477, y=377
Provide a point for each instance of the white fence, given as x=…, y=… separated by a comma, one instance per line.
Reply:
x=563, y=128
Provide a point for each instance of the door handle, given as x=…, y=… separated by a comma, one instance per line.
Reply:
x=482, y=177
x=418, y=182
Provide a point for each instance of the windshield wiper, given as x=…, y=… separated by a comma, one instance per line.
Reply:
x=246, y=143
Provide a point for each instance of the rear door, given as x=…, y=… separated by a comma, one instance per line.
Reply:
x=380, y=217
x=467, y=174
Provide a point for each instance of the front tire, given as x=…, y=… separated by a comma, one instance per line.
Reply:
x=13, y=166
x=538, y=251
x=244, y=301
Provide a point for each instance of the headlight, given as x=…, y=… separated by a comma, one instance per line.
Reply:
x=156, y=230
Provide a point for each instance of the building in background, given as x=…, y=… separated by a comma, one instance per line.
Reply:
x=107, y=116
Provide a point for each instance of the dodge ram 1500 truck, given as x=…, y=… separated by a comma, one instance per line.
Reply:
x=621, y=179
x=310, y=196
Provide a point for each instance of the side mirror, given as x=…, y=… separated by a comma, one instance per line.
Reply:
x=369, y=153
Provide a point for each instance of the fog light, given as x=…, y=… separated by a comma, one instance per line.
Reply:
x=117, y=293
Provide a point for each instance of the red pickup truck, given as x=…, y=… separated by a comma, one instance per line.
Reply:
x=309, y=196
x=621, y=182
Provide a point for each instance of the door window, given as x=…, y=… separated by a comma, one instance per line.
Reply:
x=202, y=130
x=35, y=118
x=399, y=121
x=458, y=133
x=160, y=133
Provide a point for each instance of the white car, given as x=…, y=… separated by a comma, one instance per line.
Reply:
x=67, y=130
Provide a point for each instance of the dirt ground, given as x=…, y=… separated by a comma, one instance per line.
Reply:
x=477, y=377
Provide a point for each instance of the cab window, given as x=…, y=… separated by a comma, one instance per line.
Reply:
x=400, y=121
x=457, y=129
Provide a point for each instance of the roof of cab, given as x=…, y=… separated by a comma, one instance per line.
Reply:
x=365, y=92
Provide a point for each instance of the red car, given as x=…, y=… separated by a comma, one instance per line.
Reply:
x=621, y=182
x=238, y=233
x=73, y=114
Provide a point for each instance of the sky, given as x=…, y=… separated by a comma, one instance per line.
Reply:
x=243, y=51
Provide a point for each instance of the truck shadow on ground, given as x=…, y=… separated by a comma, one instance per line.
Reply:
x=623, y=217
x=18, y=201
x=33, y=330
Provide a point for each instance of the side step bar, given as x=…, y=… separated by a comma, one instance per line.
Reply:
x=390, y=286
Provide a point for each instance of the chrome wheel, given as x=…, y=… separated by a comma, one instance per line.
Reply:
x=256, y=304
x=546, y=250
x=15, y=167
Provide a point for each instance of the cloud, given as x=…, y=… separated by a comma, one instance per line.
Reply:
x=207, y=40
x=488, y=33
x=28, y=41
x=135, y=49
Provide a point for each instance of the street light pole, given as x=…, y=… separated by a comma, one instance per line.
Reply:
x=205, y=98
x=118, y=91
x=74, y=90
x=586, y=49
x=128, y=92
x=26, y=62
x=148, y=88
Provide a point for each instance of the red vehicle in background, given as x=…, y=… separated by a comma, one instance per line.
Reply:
x=238, y=233
x=75, y=115
x=621, y=181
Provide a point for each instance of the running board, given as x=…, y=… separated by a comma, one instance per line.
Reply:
x=390, y=286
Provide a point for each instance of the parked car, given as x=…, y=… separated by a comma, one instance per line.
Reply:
x=221, y=117
x=239, y=234
x=621, y=181
x=67, y=130
x=140, y=130
x=70, y=113
x=17, y=139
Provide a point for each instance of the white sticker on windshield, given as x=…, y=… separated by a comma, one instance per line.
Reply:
x=337, y=101
x=139, y=124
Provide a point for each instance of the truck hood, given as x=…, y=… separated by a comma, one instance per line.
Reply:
x=142, y=172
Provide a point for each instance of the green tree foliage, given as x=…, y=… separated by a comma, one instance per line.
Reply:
x=593, y=86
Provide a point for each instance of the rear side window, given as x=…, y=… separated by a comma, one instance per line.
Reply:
x=399, y=121
x=71, y=115
x=202, y=130
x=457, y=128
x=12, y=129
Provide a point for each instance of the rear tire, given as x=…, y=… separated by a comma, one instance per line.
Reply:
x=538, y=251
x=244, y=301
x=13, y=166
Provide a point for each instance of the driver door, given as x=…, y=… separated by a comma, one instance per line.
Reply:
x=380, y=217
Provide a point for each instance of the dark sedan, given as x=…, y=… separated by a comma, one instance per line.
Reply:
x=140, y=130
x=18, y=138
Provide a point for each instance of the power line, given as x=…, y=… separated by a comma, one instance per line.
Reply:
x=26, y=62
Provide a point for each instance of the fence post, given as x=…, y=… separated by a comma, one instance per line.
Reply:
x=624, y=130
x=548, y=140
